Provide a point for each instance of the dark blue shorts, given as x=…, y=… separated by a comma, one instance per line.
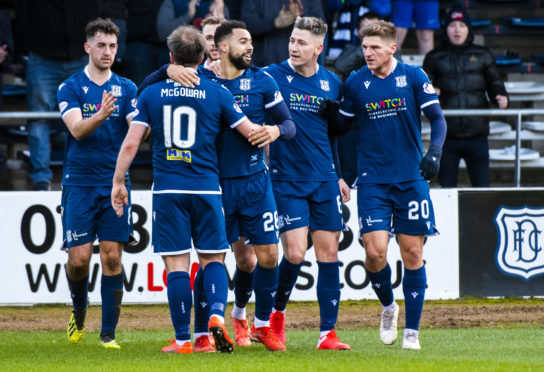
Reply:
x=179, y=217
x=316, y=204
x=404, y=208
x=423, y=12
x=250, y=209
x=87, y=214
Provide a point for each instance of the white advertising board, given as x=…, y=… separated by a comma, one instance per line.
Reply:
x=32, y=264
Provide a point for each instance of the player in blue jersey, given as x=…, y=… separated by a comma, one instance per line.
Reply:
x=386, y=98
x=96, y=106
x=187, y=204
x=304, y=179
x=250, y=209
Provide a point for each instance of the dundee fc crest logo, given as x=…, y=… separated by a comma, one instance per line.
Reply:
x=519, y=246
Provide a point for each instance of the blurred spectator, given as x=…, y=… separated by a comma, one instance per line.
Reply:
x=346, y=26
x=6, y=46
x=174, y=13
x=425, y=15
x=145, y=50
x=117, y=11
x=55, y=38
x=6, y=49
x=270, y=23
x=234, y=7
x=209, y=8
x=380, y=7
x=462, y=73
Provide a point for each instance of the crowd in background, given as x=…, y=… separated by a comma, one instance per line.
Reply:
x=48, y=39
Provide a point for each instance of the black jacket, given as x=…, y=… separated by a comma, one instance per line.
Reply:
x=464, y=74
x=54, y=29
x=142, y=21
x=271, y=44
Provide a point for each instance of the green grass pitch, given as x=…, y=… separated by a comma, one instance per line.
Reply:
x=514, y=349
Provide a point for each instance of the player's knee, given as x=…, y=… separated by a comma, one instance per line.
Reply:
x=412, y=256
x=375, y=257
x=267, y=255
x=246, y=263
x=295, y=257
x=78, y=263
x=328, y=253
x=112, y=264
x=269, y=262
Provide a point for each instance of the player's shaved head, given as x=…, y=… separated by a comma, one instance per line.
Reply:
x=225, y=30
x=383, y=29
x=104, y=26
x=187, y=45
x=316, y=26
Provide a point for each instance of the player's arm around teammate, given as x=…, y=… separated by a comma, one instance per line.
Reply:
x=186, y=193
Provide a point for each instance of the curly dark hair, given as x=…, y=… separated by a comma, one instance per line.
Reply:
x=105, y=26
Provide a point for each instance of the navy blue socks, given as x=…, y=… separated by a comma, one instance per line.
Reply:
x=413, y=287
x=243, y=286
x=328, y=293
x=180, y=302
x=288, y=274
x=111, y=289
x=216, y=286
x=202, y=314
x=79, y=292
x=381, y=283
x=266, y=285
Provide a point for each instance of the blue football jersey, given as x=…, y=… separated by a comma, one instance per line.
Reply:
x=254, y=91
x=185, y=123
x=388, y=114
x=91, y=161
x=308, y=155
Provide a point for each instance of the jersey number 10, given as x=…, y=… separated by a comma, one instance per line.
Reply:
x=172, y=126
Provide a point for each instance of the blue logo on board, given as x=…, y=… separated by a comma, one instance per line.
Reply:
x=519, y=242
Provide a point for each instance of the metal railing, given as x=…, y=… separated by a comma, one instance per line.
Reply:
x=519, y=113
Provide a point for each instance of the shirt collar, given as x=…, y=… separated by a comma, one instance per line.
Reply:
x=86, y=70
x=290, y=65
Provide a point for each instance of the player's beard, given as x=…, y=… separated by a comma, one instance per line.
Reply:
x=239, y=62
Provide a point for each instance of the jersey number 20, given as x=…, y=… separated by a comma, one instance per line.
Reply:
x=415, y=211
x=172, y=126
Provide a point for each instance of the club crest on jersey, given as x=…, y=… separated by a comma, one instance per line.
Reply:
x=428, y=88
x=245, y=84
x=175, y=154
x=325, y=85
x=116, y=90
x=401, y=81
x=85, y=89
x=519, y=245
x=289, y=78
x=366, y=83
